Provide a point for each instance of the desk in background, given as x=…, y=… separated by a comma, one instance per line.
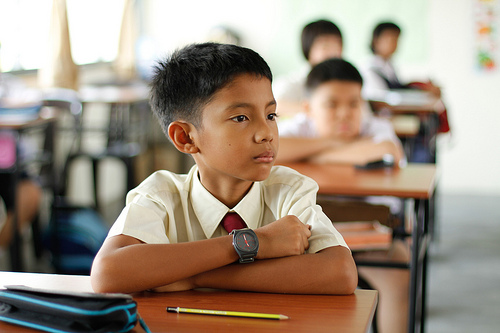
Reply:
x=308, y=313
x=427, y=108
x=125, y=126
x=416, y=182
x=125, y=130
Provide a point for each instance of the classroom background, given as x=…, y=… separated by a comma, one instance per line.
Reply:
x=441, y=40
x=455, y=43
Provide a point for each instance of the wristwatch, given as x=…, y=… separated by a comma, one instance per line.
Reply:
x=246, y=244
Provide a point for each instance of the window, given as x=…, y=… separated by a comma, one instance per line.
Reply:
x=94, y=27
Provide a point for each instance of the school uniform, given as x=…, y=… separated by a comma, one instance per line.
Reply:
x=378, y=129
x=169, y=208
x=379, y=76
x=292, y=87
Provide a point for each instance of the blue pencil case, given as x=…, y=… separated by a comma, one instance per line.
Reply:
x=55, y=311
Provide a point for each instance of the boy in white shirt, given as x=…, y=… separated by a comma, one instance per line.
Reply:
x=215, y=102
x=320, y=40
x=335, y=130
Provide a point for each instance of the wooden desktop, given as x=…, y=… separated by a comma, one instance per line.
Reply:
x=308, y=313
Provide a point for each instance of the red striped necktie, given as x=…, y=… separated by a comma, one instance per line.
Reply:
x=233, y=221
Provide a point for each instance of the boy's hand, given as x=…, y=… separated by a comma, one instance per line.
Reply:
x=282, y=238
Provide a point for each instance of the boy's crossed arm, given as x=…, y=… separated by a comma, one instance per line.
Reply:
x=320, y=150
x=124, y=264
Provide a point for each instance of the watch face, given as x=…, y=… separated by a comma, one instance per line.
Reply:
x=246, y=241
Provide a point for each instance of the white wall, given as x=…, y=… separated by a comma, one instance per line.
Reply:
x=437, y=42
x=472, y=163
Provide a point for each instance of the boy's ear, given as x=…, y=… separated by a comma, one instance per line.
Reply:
x=181, y=135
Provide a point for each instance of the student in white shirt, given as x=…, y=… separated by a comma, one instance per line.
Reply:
x=320, y=40
x=379, y=73
x=215, y=102
x=334, y=130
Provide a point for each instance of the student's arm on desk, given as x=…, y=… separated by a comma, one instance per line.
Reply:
x=125, y=264
x=360, y=152
x=330, y=271
x=334, y=267
x=293, y=149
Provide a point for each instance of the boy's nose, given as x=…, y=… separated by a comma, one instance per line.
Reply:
x=264, y=133
x=343, y=113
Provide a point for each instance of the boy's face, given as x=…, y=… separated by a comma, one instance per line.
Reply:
x=238, y=136
x=386, y=43
x=325, y=47
x=335, y=109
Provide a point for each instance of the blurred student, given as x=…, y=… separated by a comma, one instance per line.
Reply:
x=334, y=130
x=25, y=206
x=21, y=200
x=380, y=77
x=379, y=73
x=321, y=40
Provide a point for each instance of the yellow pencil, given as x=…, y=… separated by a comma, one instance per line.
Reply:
x=228, y=313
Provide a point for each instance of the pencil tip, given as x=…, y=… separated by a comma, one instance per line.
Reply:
x=283, y=317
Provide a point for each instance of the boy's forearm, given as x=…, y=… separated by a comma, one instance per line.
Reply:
x=358, y=152
x=297, y=149
x=330, y=271
x=137, y=267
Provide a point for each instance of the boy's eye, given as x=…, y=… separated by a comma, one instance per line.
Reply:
x=272, y=116
x=239, y=119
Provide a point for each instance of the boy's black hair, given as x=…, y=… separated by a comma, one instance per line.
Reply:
x=187, y=80
x=315, y=29
x=331, y=70
x=380, y=28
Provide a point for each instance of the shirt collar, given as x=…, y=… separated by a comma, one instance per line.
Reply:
x=210, y=211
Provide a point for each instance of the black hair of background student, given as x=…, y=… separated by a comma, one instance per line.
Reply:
x=187, y=80
x=332, y=69
x=314, y=29
x=380, y=28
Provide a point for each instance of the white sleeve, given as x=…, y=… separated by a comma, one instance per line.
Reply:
x=298, y=198
x=380, y=130
x=374, y=87
x=298, y=126
x=142, y=218
x=291, y=87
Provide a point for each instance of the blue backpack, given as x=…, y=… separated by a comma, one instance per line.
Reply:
x=73, y=237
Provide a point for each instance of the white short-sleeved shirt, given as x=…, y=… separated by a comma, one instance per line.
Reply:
x=378, y=129
x=374, y=86
x=170, y=208
x=292, y=87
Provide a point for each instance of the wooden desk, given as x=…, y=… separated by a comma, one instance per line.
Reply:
x=124, y=125
x=415, y=182
x=407, y=102
x=427, y=110
x=405, y=125
x=308, y=313
x=125, y=94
